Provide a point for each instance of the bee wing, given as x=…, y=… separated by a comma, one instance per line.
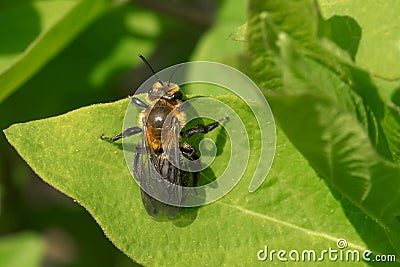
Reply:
x=157, y=180
x=172, y=153
x=180, y=171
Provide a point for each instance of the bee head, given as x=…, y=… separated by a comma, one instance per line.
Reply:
x=162, y=90
x=166, y=90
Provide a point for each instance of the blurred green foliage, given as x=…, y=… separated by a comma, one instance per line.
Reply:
x=23, y=249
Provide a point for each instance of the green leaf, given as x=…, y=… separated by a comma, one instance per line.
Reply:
x=21, y=250
x=214, y=45
x=378, y=51
x=330, y=109
x=361, y=97
x=339, y=149
x=35, y=31
x=380, y=114
x=239, y=33
x=66, y=152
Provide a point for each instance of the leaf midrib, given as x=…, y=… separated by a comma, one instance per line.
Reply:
x=291, y=225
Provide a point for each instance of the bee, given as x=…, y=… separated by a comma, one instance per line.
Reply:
x=158, y=164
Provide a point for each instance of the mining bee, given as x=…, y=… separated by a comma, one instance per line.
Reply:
x=158, y=164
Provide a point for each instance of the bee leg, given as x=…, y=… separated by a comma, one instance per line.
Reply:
x=138, y=102
x=137, y=166
x=189, y=151
x=201, y=128
x=126, y=133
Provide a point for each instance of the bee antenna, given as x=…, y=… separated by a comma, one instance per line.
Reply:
x=151, y=68
x=173, y=73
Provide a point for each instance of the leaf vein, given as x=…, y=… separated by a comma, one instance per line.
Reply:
x=292, y=226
